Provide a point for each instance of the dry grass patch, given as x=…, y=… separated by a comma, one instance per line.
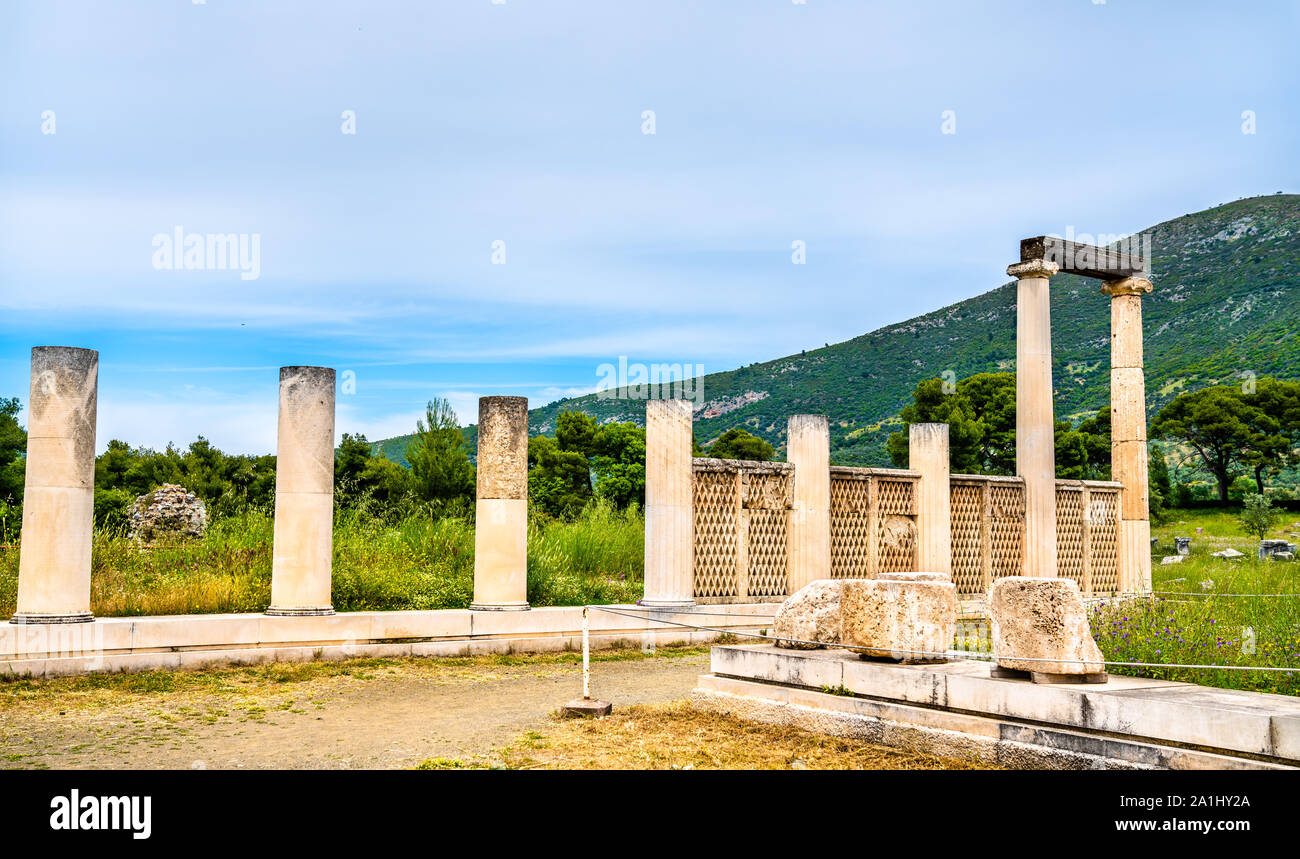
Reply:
x=276, y=681
x=677, y=736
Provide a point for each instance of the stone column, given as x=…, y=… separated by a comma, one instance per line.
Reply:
x=501, y=511
x=669, y=505
x=928, y=454
x=303, y=552
x=808, y=449
x=59, y=499
x=1128, y=428
x=1035, y=417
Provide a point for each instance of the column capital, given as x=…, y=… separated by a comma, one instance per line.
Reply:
x=1126, y=286
x=1033, y=268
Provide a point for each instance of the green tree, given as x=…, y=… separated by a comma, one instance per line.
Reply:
x=576, y=431
x=361, y=476
x=618, y=463
x=1215, y=423
x=1160, y=487
x=737, y=443
x=440, y=465
x=559, y=481
x=1258, y=516
x=1273, y=425
x=13, y=452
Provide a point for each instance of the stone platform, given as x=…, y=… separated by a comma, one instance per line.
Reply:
x=202, y=641
x=957, y=710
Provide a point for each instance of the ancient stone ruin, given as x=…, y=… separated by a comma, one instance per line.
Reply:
x=170, y=512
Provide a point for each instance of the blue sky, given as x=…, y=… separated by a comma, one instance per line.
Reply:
x=522, y=122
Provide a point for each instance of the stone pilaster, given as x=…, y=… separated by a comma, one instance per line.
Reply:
x=669, y=505
x=1128, y=427
x=928, y=454
x=1035, y=417
x=302, y=560
x=501, y=508
x=59, y=498
x=808, y=449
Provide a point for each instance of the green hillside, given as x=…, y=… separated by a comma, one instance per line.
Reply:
x=1226, y=301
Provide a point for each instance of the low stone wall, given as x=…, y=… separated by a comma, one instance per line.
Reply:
x=201, y=641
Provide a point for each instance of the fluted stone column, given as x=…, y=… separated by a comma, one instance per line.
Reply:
x=1035, y=416
x=928, y=454
x=59, y=499
x=501, y=511
x=303, y=553
x=808, y=449
x=1128, y=428
x=669, y=505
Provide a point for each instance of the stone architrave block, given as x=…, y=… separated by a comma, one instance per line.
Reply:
x=1040, y=625
x=912, y=620
x=811, y=613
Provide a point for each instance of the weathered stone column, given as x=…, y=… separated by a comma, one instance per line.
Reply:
x=808, y=449
x=1128, y=429
x=59, y=498
x=303, y=552
x=1035, y=415
x=928, y=454
x=501, y=511
x=669, y=505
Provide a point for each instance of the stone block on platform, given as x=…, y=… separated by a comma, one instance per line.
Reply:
x=909, y=620
x=1040, y=625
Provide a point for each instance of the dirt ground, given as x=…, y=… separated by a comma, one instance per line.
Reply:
x=488, y=711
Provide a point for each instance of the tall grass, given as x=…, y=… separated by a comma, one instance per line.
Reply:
x=419, y=561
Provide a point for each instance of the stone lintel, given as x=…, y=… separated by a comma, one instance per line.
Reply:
x=1084, y=260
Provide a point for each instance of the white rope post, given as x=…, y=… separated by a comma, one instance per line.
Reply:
x=586, y=653
x=586, y=705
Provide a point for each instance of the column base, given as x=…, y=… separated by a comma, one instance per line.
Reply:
x=30, y=618
x=499, y=606
x=321, y=611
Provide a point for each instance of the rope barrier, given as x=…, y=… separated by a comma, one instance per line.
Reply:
x=961, y=654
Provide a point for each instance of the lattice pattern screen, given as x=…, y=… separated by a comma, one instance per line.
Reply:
x=1104, y=514
x=873, y=522
x=715, y=534
x=850, y=527
x=1006, y=529
x=968, y=537
x=1087, y=535
x=741, y=516
x=988, y=527
x=896, y=518
x=1070, y=534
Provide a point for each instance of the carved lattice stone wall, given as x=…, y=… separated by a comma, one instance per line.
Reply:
x=988, y=528
x=873, y=521
x=1087, y=534
x=742, y=512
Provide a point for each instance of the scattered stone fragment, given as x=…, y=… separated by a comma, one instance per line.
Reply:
x=1228, y=554
x=1183, y=545
x=1172, y=559
x=169, y=512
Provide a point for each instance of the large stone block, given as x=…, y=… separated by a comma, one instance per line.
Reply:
x=912, y=620
x=811, y=613
x=1041, y=625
